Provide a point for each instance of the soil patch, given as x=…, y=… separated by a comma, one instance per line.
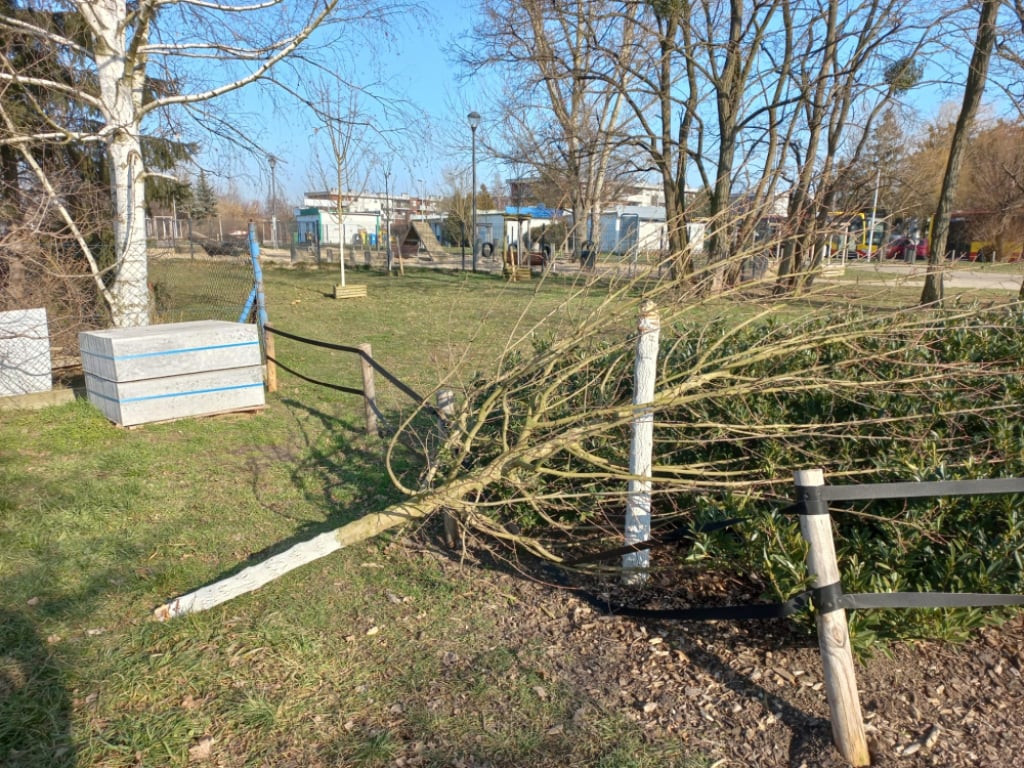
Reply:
x=751, y=693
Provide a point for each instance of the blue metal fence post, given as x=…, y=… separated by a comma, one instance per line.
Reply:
x=259, y=296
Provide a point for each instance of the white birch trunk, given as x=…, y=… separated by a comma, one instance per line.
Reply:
x=638, y=496
x=121, y=82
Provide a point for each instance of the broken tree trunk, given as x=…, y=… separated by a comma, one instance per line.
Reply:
x=256, y=576
x=450, y=495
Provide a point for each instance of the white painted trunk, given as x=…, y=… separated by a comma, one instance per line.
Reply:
x=255, y=576
x=130, y=289
x=251, y=578
x=638, y=497
x=121, y=85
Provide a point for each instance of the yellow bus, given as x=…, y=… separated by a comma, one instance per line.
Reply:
x=858, y=235
x=985, y=236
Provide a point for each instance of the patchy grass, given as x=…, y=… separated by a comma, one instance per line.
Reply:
x=379, y=655
x=376, y=655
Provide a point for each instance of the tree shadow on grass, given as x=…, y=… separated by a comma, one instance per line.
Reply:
x=35, y=710
x=335, y=466
x=346, y=465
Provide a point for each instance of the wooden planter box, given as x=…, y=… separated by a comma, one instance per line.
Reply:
x=350, y=291
x=163, y=372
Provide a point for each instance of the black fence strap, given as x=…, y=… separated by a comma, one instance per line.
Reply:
x=912, y=490
x=407, y=390
x=928, y=600
x=293, y=372
x=831, y=598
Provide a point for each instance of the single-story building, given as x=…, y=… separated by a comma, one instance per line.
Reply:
x=323, y=225
x=641, y=228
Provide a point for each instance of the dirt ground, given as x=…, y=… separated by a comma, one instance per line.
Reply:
x=751, y=693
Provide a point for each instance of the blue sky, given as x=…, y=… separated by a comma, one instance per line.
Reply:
x=431, y=133
x=417, y=74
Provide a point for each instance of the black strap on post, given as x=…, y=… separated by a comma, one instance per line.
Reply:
x=863, y=601
x=810, y=500
x=828, y=598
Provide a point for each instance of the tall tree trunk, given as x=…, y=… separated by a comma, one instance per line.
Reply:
x=121, y=86
x=130, y=290
x=973, y=90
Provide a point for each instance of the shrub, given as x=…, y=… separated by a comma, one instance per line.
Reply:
x=740, y=406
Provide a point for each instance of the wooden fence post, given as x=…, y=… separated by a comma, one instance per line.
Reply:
x=369, y=390
x=271, y=365
x=638, y=493
x=445, y=399
x=833, y=631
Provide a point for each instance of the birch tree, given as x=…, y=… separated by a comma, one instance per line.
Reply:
x=124, y=50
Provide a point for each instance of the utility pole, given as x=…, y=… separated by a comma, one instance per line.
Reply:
x=387, y=219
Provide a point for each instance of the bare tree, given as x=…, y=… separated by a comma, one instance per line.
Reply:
x=457, y=202
x=852, y=67
x=993, y=182
x=143, y=61
x=973, y=89
x=345, y=127
x=754, y=102
x=560, y=118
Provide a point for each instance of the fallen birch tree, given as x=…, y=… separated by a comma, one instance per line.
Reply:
x=749, y=388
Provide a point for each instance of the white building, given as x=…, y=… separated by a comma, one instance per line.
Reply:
x=643, y=229
x=363, y=219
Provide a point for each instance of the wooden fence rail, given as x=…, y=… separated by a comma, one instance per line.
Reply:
x=830, y=602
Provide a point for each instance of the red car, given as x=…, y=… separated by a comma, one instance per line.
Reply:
x=902, y=248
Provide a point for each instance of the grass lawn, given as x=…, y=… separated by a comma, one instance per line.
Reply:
x=382, y=654
x=378, y=655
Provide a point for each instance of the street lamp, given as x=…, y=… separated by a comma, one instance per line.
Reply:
x=474, y=121
x=273, y=199
x=387, y=221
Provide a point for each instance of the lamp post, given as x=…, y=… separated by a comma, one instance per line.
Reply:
x=387, y=221
x=273, y=199
x=474, y=121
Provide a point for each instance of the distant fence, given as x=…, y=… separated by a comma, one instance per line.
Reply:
x=180, y=292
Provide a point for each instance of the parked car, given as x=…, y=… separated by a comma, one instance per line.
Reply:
x=902, y=247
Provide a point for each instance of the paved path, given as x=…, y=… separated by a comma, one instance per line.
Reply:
x=957, y=275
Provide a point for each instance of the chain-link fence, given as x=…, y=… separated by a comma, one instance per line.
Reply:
x=42, y=269
x=199, y=287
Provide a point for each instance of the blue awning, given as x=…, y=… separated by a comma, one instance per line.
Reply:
x=533, y=211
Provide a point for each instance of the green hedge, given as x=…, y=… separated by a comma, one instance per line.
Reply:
x=919, y=396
